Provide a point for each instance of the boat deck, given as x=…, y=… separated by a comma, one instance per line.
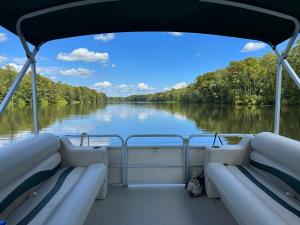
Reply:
x=159, y=205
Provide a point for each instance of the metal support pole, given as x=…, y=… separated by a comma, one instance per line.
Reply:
x=291, y=72
x=291, y=41
x=186, y=159
x=278, y=96
x=289, y=69
x=31, y=57
x=16, y=83
x=34, y=98
x=282, y=62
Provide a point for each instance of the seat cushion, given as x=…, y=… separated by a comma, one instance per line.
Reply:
x=248, y=201
x=19, y=158
x=277, y=157
x=63, y=192
x=76, y=206
x=281, y=150
x=285, y=178
x=12, y=195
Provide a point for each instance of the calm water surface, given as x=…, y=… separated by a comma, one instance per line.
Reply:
x=146, y=118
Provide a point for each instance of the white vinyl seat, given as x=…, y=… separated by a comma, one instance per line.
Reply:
x=48, y=190
x=265, y=190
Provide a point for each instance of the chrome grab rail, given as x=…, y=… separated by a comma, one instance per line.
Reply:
x=152, y=136
x=82, y=136
x=110, y=136
x=185, y=147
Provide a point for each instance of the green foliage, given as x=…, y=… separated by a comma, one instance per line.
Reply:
x=49, y=92
x=248, y=82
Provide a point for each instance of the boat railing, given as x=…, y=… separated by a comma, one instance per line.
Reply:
x=125, y=148
x=122, y=146
x=155, y=148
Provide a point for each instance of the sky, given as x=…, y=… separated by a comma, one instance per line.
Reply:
x=122, y=64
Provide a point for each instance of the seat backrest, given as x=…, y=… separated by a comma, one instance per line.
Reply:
x=278, y=156
x=18, y=158
x=23, y=167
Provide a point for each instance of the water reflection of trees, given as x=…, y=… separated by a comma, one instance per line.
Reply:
x=229, y=119
x=233, y=119
x=16, y=119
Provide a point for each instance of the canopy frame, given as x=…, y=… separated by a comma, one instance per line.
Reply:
x=31, y=62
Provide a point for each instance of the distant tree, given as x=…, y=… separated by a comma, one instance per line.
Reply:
x=251, y=81
x=49, y=92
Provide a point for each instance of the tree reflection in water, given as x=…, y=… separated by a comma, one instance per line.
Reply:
x=211, y=118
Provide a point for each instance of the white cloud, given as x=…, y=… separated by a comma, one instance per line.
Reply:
x=47, y=70
x=3, y=37
x=39, y=70
x=179, y=85
x=105, y=37
x=52, y=78
x=176, y=86
x=143, y=87
x=13, y=66
x=83, y=54
x=15, y=60
x=19, y=60
x=104, y=84
x=176, y=34
x=123, y=87
x=77, y=72
x=253, y=46
x=113, y=65
x=2, y=58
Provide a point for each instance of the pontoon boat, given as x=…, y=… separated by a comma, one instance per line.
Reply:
x=52, y=180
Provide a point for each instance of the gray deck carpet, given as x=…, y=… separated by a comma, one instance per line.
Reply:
x=157, y=205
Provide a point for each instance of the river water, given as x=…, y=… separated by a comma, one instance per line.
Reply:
x=147, y=118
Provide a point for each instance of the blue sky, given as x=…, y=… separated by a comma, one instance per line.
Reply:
x=122, y=64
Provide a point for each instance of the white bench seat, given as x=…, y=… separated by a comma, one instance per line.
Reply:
x=52, y=190
x=248, y=202
x=264, y=191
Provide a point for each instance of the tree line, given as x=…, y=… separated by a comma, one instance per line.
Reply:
x=49, y=92
x=251, y=81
